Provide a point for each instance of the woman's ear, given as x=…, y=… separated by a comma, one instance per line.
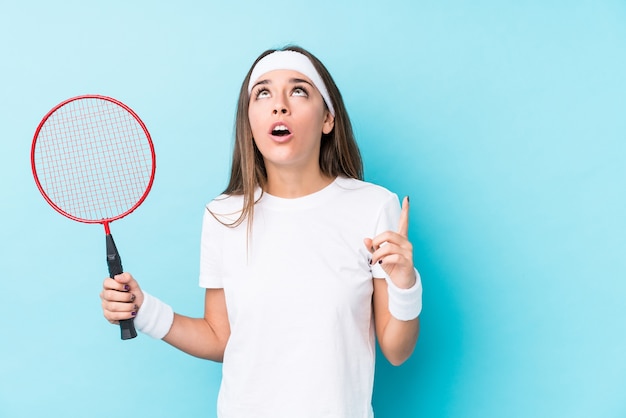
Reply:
x=329, y=123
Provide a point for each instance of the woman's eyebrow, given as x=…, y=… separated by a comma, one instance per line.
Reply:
x=261, y=82
x=300, y=80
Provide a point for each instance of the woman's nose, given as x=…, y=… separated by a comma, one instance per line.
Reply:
x=280, y=106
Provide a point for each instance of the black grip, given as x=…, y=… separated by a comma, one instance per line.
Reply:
x=127, y=326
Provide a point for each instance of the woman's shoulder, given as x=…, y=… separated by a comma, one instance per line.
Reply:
x=226, y=208
x=365, y=189
x=226, y=203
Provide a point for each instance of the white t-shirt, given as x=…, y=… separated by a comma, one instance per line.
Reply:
x=299, y=300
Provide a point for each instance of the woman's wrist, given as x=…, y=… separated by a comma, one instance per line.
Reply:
x=405, y=304
x=154, y=317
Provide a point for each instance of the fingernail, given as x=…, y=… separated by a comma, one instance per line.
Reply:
x=408, y=199
x=126, y=287
x=369, y=260
x=133, y=313
x=132, y=297
x=380, y=261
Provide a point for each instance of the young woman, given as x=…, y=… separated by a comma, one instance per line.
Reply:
x=303, y=262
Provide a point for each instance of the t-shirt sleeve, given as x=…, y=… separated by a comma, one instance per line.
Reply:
x=211, y=252
x=388, y=218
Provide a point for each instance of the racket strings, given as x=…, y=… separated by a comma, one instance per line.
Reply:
x=94, y=160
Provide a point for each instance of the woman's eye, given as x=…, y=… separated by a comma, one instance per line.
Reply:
x=261, y=93
x=299, y=91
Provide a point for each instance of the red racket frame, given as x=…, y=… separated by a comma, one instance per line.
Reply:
x=104, y=221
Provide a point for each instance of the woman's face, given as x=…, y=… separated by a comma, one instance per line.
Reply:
x=288, y=116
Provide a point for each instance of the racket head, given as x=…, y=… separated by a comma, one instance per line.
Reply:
x=93, y=159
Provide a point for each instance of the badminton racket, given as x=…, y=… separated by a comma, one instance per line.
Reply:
x=93, y=161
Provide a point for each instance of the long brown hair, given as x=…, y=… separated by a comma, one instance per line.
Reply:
x=339, y=153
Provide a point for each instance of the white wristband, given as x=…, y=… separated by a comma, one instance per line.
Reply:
x=154, y=317
x=405, y=304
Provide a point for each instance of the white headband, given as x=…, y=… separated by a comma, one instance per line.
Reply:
x=290, y=60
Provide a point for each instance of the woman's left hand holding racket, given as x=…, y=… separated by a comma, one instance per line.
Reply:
x=121, y=298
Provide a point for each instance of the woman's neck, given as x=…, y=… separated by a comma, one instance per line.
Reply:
x=290, y=184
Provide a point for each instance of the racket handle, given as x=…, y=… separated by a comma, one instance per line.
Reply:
x=127, y=326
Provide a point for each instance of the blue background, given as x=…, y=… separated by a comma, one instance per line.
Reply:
x=504, y=121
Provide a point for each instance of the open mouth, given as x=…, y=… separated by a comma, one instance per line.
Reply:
x=280, y=130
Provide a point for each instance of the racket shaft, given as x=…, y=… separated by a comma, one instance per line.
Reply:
x=127, y=326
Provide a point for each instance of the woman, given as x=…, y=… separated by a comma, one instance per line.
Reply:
x=304, y=264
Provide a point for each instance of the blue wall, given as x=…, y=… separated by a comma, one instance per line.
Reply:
x=504, y=121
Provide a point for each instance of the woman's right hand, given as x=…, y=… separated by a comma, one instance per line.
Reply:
x=121, y=298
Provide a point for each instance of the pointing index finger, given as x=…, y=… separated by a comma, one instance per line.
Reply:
x=403, y=224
